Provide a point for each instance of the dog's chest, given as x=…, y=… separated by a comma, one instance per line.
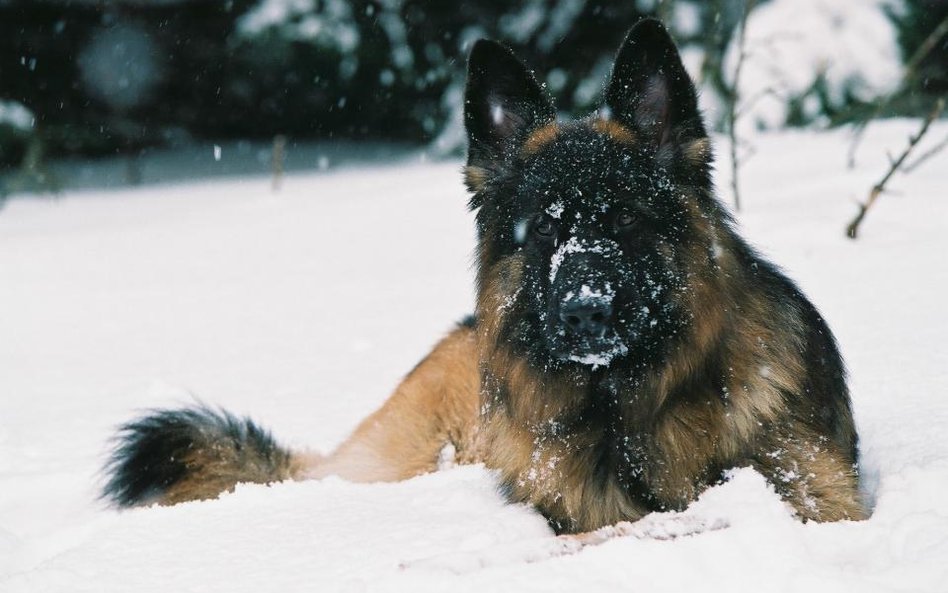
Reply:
x=579, y=477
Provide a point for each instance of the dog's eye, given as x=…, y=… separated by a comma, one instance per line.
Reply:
x=625, y=219
x=544, y=227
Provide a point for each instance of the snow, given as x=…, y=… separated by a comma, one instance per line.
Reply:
x=305, y=307
x=601, y=359
x=520, y=26
x=590, y=88
x=575, y=245
x=555, y=210
x=16, y=115
x=606, y=295
x=686, y=19
x=327, y=23
x=790, y=45
x=536, y=18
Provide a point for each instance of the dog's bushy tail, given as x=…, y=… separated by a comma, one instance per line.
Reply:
x=172, y=456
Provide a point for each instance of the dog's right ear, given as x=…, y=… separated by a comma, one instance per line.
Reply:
x=650, y=90
x=503, y=103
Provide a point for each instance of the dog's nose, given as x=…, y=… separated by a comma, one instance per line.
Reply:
x=587, y=317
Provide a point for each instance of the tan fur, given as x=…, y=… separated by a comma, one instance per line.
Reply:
x=614, y=130
x=212, y=470
x=539, y=138
x=691, y=438
x=810, y=474
x=697, y=152
x=548, y=472
x=436, y=404
x=499, y=291
x=515, y=433
x=475, y=177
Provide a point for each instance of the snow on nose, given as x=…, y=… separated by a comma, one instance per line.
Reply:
x=574, y=245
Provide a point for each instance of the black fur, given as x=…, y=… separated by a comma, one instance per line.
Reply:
x=650, y=91
x=502, y=103
x=469, y=321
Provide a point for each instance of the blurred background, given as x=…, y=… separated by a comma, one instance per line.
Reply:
x=93, y=78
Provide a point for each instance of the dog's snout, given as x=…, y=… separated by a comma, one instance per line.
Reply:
x=588, y=317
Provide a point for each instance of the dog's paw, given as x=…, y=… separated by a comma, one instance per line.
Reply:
x=522, y=552
x=657, y=526
x=666, y=526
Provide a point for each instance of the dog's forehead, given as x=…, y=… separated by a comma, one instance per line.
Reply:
x=578, y=167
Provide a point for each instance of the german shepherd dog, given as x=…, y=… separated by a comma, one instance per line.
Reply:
x=628, y=346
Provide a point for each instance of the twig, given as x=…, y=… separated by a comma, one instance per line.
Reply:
x=732, y=104
x=33, y=173
x=910, y=67
x=762, y=94
x=664, y=10
x=133, y=168
x=279, y=152
x=925, y=156
x=853, y=228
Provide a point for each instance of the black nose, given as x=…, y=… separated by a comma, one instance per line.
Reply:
x=587, y=317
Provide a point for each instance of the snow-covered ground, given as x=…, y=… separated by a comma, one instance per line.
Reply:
x=304, y=308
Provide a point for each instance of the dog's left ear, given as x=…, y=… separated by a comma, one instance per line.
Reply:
x=503, y=103
x=651, y=92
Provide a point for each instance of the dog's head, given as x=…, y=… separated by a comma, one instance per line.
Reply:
x=580, y=223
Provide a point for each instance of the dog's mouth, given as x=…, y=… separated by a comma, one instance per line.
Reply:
x=599, y=357
x=582, y=322
x=594, y=351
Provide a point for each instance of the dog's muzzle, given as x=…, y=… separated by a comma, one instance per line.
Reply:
x=581, y=311
x=586, y=315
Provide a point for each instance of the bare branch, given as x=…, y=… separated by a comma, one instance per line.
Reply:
x=853, y=228
x=665, y=10
x=276, y=161
x=749, y=151
x=733, y=97
x=925, y=156
x=910, y=69
x=749, y=103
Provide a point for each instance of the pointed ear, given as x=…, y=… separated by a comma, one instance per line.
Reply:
x=650, y=91
x=503, y=103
